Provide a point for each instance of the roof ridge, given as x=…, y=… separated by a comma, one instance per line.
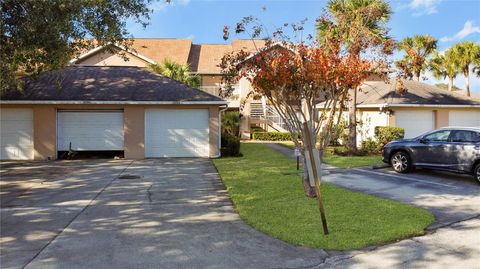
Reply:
x=443, y=90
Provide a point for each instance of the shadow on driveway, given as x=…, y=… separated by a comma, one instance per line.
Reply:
x=157, y=213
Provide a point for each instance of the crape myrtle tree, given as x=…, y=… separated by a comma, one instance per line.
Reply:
x=299, y=77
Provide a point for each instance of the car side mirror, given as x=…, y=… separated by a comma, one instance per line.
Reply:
x=423, y=141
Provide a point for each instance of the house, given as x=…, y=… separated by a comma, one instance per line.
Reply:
x=203, y=59
x=108, y=108
x=420, y=109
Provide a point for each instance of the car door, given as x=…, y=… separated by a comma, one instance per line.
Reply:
x=465, y=145
x=433, y=149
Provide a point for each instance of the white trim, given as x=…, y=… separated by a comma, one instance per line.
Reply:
x=99, y=48
x=415, y=105
x=50, y=102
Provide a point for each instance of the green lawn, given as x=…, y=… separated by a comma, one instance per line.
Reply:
x=272, y=201
x=343, y=161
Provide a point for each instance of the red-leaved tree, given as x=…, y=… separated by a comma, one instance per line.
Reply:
x=306, y=81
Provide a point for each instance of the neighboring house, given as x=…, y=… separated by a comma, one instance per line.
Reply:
x=203, y=59
x=421, y=109
x=97, y=108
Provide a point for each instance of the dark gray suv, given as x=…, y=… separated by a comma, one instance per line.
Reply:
x=454, y=148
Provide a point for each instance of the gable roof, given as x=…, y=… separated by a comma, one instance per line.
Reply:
x=151, y=50
x=206, y=58
x=99, y=84
x=160, y=49
x=376, y=93
x=202, y=58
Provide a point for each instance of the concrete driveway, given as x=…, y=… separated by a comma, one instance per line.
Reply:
x=159, y=213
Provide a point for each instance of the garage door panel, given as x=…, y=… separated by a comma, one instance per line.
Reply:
x=415, y=123
x=464, y=118
x=90, y=130
x=176, y=133
x=16, y=134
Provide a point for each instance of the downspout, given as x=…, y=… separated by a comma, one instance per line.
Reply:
x=220, y=131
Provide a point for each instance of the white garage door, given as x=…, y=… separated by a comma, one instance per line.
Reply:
x=16, y=134
x=415, y=123
x=176, y=133
x=464, y=118
x=90, y=130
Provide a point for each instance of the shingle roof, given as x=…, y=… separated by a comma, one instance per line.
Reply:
x=247, y=45
x=418, y=93
x=202, y=58
x=98, y=83
x=160, y=49
x=206, y=58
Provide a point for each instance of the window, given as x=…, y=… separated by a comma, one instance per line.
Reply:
x=466, y=136
x=441, y=136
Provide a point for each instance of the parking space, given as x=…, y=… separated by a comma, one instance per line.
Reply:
x=450, y=197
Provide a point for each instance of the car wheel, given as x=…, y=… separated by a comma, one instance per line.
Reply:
x=476, y=173
x=401, y=162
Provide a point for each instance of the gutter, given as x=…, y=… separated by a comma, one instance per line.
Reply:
x=417, y=105
x=52, y=102
x=220, y=131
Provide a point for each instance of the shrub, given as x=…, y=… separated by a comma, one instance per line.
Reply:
x=272, y=136
x=230, y=145
x=387, y=134
x=338, y=134
x=231, y=122
x=369, y=146
x=230, y=142
x=341, y=151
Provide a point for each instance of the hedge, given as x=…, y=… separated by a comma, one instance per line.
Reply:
x=387, y=134
x=272, y=136
x=230, y=145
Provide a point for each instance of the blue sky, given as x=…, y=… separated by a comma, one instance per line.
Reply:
x=450, y=21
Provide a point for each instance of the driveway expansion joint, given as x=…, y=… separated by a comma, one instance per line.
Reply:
x=60, y=231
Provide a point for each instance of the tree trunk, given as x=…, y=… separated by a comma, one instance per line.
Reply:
x=467, y=82
x=309, y=190
x=450, y=83
x=352, y=120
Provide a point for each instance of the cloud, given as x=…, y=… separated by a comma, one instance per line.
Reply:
x=161, y=5
x=468, y=29
x=424, y=7
x=183, y=2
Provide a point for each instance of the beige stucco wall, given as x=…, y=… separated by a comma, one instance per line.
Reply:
x=44, y=132
x=211, y=80
x=441, y=118
x=105, y=58
x=134, y=132
x=213, y=132
x=45, y=127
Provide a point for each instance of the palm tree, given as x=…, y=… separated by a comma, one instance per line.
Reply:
x=417, y=49
x=466, y=54
x=444, y=66
x=363, y=24
x=176, y=71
